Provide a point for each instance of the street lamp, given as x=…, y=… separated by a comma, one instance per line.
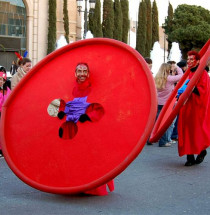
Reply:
x=79, y=9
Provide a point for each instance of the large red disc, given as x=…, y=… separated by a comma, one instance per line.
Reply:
x=172, y=106
x=121, y=83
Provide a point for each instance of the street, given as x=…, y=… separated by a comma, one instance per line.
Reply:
x=156, y=183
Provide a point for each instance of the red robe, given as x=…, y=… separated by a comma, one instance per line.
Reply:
x=194, y=119
x=95, y=112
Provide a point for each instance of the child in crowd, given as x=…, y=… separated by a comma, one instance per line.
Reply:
x=4, y=93
x=8, y=82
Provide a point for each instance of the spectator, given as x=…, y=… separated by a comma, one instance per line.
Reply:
x=164, y=82
x=173, y=67
x=149, y=62
x=8, y=82
x=4, y=93
x=183, y=65
x=13, y=68
x=24, y=67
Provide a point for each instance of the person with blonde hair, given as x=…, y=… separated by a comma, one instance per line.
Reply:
x=164, y=82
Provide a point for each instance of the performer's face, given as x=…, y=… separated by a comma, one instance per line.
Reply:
x=81, y=73
x=191, y=61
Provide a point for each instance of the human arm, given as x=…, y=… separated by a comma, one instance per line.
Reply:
x=175, y=78
x=183, y=88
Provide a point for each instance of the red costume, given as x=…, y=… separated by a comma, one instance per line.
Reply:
x=94, y=112
x=101, y=150
x=77, y=108
x=194, y=123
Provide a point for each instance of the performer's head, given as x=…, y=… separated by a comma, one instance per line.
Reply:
x=82, y=72
x=193, y=59
x=25, y=64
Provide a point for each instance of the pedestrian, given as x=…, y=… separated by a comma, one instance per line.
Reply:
x=149, y=62
x=173, y=67
x=13, y=68
x=25, y=66
x=174, y=135
x=194, y=115
x=8, y=82
x=4, y=93
x=183, y=65
x=164, y=81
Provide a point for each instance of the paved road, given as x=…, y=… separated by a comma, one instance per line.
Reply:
x=156, y=183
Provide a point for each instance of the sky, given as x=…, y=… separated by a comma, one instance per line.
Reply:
x=163, y=7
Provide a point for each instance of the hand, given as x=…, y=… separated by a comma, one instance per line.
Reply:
x=182, y=89
x=61, y=114
x=84, y=117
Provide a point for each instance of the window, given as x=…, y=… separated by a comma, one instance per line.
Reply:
x=13, y=18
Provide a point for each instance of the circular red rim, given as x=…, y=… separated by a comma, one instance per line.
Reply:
x=131, y=156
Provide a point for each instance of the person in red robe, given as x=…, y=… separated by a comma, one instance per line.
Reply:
x=194, y=123
x=80, y=110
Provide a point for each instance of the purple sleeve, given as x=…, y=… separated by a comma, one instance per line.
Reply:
x=74, y=109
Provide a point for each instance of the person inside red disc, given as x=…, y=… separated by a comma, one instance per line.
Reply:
x=80, y=110
x=194, y=124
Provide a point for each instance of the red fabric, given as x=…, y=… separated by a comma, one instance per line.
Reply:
x=82, y=89
x=194, y=123
x=62, y=105
x=83, y=162
x=102, y=190
x=95, y=111
x=69, y=130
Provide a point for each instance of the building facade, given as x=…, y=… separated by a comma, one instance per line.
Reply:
x=24, y=26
